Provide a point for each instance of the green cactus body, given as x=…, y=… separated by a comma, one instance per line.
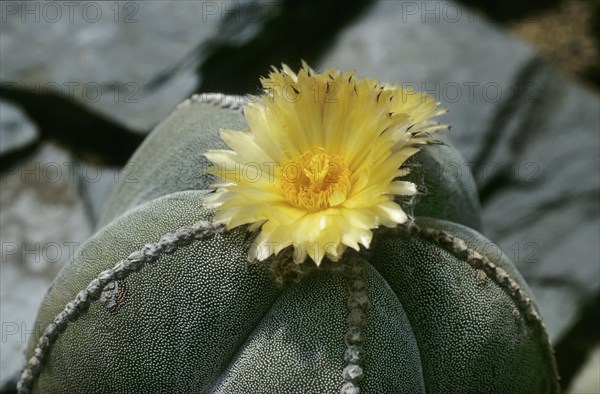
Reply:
x=430, y=307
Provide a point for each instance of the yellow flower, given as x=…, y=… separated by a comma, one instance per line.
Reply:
x=318, y=167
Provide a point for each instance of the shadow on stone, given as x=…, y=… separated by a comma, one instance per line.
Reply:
x=296, y=30
x=91, y=135
x=576, y=345
x=511, y=10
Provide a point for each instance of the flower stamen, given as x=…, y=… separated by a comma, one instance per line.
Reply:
x=315, y=181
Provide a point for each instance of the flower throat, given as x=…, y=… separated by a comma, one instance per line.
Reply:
x=316, y=180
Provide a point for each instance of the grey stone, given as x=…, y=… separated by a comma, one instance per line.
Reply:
x=131, y=61
x=511, y=114
x=16, y=130
x=43, y=220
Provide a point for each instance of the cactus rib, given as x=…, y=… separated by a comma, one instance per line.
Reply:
x=167, y=244
x=459, y=249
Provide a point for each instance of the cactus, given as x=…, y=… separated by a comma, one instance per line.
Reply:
x=163, y=300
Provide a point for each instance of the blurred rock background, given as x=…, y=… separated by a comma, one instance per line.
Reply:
x=82, y=83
